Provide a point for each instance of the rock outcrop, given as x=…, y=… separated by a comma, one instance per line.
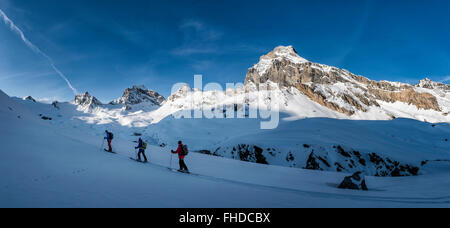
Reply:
x=429, y=84
x=408, y=96
x=355, y=182
x=29, y=98
x=347, y=160
x=87, y=101
x=244, y=152
x=137, y=95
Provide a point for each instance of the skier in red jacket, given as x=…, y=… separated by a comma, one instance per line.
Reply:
x=181, y=155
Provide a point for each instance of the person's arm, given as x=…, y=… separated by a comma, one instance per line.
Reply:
x=176, y=151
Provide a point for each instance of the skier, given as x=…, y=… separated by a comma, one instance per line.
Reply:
x=142, y=146
x=181, y=154
x=109, y=138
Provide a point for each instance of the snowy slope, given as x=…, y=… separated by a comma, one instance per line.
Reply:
x=62, y=167
x=403, y=141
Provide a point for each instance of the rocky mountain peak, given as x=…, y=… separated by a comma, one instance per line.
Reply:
x=280, y=53
x=87, y=101
x=181, y=92
x=29, y=98
x=137, y=95
x=430, y=84
x=288, y=52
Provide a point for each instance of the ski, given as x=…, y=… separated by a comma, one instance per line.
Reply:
x=112, y=152
x=178, y=171
x=136, y=160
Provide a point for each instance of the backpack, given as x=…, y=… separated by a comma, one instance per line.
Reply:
x=144, y=145
x=185, y=150
x=111, y=136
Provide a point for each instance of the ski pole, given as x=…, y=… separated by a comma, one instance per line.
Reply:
x=171, y=155
x=103, y=143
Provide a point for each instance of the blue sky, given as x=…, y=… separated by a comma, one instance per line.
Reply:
x=106, y=46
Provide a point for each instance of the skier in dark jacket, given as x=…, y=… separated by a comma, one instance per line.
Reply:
x=141, y=150
x=181, y=155
x=109, y=139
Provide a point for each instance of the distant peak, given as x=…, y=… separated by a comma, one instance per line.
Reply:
x=86, y=94
x=87, y=100
x=135, y=87
x=29, y=98
x=138, y=94
x=430, y=84
x=286, y=52
x=281, y=50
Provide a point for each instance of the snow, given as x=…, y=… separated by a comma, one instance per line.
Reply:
x=59, y=163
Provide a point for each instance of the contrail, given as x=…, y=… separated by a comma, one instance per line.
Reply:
x=33, y=47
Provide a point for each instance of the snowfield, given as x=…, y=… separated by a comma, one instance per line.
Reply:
x=60, y=162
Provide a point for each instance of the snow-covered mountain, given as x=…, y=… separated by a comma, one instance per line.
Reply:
x=138, y=95
x=87, y=102
x=354, y=96
x=309, y=90
x=301, y=88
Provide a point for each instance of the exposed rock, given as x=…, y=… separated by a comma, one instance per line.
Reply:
x=55, y=104
x=29, y=98
x=207, y=152
x=182, y=92
x=87, y=101
x=355, y=182
x=137, y=95
x=275, y=60
x=347, y=160
x=429, y=84
x=312, y=163
x=409, y=96
x=290, y=157
x=321, y=99
x=45, y=117
x=244, y=152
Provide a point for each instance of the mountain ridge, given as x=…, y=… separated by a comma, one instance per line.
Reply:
x=303, y=88
x=331, y=87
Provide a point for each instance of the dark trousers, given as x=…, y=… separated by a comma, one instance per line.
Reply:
x=143, y=153
x=183, y=165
